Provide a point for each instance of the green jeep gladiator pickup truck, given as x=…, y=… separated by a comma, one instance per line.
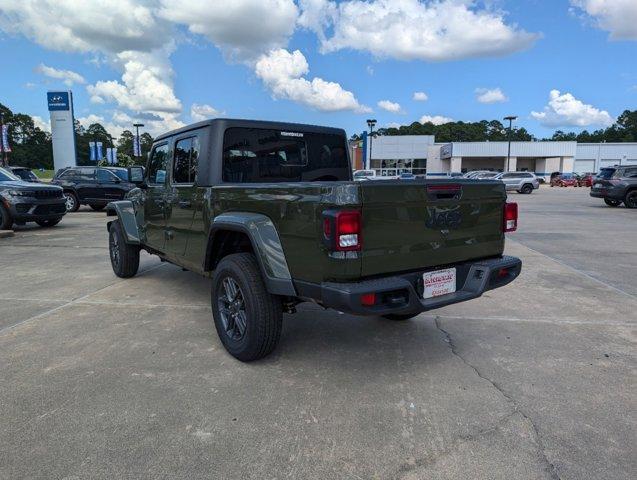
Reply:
x=270, y=212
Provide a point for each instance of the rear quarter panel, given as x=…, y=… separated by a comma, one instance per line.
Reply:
x=296, y=210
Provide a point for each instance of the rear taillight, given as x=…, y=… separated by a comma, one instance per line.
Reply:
x=342, y=230
x=510, y=219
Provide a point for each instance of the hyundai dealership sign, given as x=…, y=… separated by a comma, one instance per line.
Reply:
x=58, y=101
x=62, y=132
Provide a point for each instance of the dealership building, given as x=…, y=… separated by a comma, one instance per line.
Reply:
x=420, y=154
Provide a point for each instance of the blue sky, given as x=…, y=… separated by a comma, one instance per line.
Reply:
x=156, y=59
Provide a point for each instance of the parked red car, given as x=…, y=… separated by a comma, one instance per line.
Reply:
x=563, y=180
x=585, y=180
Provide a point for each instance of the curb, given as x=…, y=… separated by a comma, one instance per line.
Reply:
x=6, y=233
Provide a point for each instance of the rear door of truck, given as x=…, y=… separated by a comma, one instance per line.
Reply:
x=421, y=224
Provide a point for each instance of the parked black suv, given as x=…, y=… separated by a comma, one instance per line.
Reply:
x=22, y=202
x=93, y=186
x=25, y=174
x=616, y=185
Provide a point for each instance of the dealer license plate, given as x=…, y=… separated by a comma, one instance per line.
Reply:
x=440, y=282
x=597, y=185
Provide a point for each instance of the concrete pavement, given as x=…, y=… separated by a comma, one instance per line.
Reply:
x=111, y=378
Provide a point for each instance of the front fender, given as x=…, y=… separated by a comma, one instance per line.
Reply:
x=127, y=216
x=266, y=244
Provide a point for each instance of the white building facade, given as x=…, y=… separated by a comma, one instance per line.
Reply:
x=420, y=154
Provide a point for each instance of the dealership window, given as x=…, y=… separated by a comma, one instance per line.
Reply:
x=186, y=159
x=253, y=155
x=157, y=164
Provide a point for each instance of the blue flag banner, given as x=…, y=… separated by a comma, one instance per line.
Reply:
x=5, y=138
x=93, y=152
x=111, y=156
x=137, y=149
x=99, y=150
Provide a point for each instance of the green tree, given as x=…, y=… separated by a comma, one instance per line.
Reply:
x=31, y=146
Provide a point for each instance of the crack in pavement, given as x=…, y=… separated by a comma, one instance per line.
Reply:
x=552, y=470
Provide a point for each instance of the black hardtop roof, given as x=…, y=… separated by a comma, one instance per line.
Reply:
x=242, y=123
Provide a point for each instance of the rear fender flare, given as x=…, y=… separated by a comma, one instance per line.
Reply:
x=124, y=210
x=265, y=243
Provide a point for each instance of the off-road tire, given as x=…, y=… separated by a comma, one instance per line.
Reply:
x=612, y=203
x=97, y=206
x=50, y=222
x=263, y=311
x=396, y=317
x=526, y=189
x=124, y=256
x=6, y=222
x=630, y=201
x=72, y=203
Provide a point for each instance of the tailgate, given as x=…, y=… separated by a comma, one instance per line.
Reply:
x=421, y=224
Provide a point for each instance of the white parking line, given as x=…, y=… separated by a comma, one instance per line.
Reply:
x=612, y=287
x=72, y=302
x=566, y=321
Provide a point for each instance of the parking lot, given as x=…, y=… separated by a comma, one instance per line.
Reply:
x=109, y=378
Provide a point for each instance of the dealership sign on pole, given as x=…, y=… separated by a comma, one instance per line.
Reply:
x=92, y=151
x=60, y=106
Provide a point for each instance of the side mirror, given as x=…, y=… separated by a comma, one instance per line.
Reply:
x=136, y=176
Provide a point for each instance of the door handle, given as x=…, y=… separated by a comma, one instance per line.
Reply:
x=185, y=204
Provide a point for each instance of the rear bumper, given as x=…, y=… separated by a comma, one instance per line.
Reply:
x=612, y=193
x=403, y=294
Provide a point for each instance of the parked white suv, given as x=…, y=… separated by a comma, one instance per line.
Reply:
x=521, y=182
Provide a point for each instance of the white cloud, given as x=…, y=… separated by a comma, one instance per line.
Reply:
x=121, y=121
x=619, y=17
x=100, y=25
x=146, y=83
x=127, y=32
x=389, y=106
x=67, y=76
x=283, y=73
x=493, y=95
x=414, y=29
x=369, y=70
x=420, y=97
x=435, y=119
x=202, y=112
x=41, y=124
x=564, y=110
x=240, y=28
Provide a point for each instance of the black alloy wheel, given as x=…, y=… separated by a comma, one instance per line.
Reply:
x=232, y=309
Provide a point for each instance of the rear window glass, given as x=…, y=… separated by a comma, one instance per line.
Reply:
x=252, y=155
x=606, y=172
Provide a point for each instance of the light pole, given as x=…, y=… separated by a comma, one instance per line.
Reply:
x=137, y=147
x=371, y=123
x=510, y=118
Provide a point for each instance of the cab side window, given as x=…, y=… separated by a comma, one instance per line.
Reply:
x=157, y=164
x=104, y=176
x=186, y=160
